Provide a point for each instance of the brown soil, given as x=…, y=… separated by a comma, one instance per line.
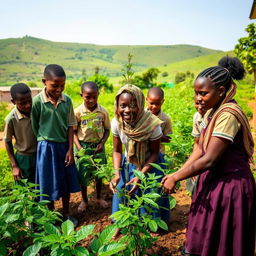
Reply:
x=167, y=244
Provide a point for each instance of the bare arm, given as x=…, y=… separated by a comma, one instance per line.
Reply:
x=17, y=172
x=69, y=159
x=76, y=140
x=216, y=148
x=165, y=138
x=117, y=161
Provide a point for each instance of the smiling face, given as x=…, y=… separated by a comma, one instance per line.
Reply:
x=127, y=107
x=154, y=103
x=207, y=95
x=54, y=86
x=23, y=102
x=90, y=97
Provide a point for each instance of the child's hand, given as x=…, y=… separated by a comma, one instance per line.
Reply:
x=99, y=148
x=17, y=173
x=113, y=183
x=168, y=183
x=135, y=182
x=69, y=159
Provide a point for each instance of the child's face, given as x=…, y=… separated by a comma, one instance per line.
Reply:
x=127, y=107
x=90, y=97
x=54, y=86
x=154, y=103
x=207, y=95
x=23, y=102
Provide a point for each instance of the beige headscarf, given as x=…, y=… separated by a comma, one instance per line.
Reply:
x=140, y=130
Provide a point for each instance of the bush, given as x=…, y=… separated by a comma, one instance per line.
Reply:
x=4, y=110
x=102, y=81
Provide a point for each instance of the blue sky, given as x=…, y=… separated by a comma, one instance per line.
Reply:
x=215, y=24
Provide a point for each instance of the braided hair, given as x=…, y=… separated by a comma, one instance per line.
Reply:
x=223, y=75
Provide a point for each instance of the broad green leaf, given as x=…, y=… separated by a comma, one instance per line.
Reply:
x=158, y=167
x=51, y=229
x=107, y=234
x=162, y=224
x=111, y=249
x=12, y=218
x=84, y=232
x=81, y=251
x=139, y=174
x=67, y=227
x=152, y=195
x=52, y=238
x=153, y=225
x=172, y=202
x=3, y=209
x=151, y=202
x=32, y=250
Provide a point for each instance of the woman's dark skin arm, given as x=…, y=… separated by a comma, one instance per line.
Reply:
x=117, y=161
x=154, y=147
x=215, y=149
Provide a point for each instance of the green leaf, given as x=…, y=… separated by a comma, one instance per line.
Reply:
x=84, y=232
x=162, y=224
x=151, y=202
x=139, y=174
x=32, y=250
x=52, y=238
x=3, y=209
x=111, y=249
x=67, y=227
x=152, y=195
x=106, y=235
x=158, y=167
x=81, y=251
x=12, y=217
x=172, y=202
x=3, y=250
x=51, y=229
x=153, y=225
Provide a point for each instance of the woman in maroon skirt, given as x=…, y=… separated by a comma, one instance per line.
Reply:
x=223, y=211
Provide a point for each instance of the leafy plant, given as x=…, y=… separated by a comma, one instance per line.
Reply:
x=134, y=225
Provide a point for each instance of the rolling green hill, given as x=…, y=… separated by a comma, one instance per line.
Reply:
x=23, y=59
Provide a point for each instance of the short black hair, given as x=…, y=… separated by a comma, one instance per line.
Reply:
x=91, y=85
x=54, y=70
x=156, y=90
x=232, y=68
x=19, y=88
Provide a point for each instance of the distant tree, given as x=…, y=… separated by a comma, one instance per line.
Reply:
x=165, y=74
x=146, y=80
x=96, y=70
x=102, y=81
x=246, y=50
x=128, y=71
x=180, y=77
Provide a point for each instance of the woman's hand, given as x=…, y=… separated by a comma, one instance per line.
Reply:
x=113, y=183
x=168, y=183
x=135, y=182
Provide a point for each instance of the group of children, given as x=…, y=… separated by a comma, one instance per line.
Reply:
x=222, y=215
x=46, y=128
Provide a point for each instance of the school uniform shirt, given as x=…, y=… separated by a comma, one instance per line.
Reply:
x=91, y=128
x=226, y=126
x=166, y=127
x=51, y=122
x=117, y=132
x=199, y=124
x=18, y=126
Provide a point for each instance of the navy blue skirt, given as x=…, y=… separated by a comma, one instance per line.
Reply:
x=54, y=179
x=126, y=176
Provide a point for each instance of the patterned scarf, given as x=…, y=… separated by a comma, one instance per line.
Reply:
x=233, y=108
x=140, y=130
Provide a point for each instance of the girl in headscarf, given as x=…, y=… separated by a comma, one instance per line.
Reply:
x=223, y=210
x=140, y=133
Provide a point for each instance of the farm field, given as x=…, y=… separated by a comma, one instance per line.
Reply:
x=180, y=107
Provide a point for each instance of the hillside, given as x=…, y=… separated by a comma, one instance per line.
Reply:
x=24, y=58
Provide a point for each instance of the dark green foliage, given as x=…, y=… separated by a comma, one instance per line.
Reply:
x=4, y=110
x=102, y=81
x=147, y=79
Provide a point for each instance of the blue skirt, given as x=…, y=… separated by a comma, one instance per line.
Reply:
x=164, y=214
x=54, y=179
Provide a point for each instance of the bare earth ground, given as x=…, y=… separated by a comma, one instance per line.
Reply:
x=167, y=244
